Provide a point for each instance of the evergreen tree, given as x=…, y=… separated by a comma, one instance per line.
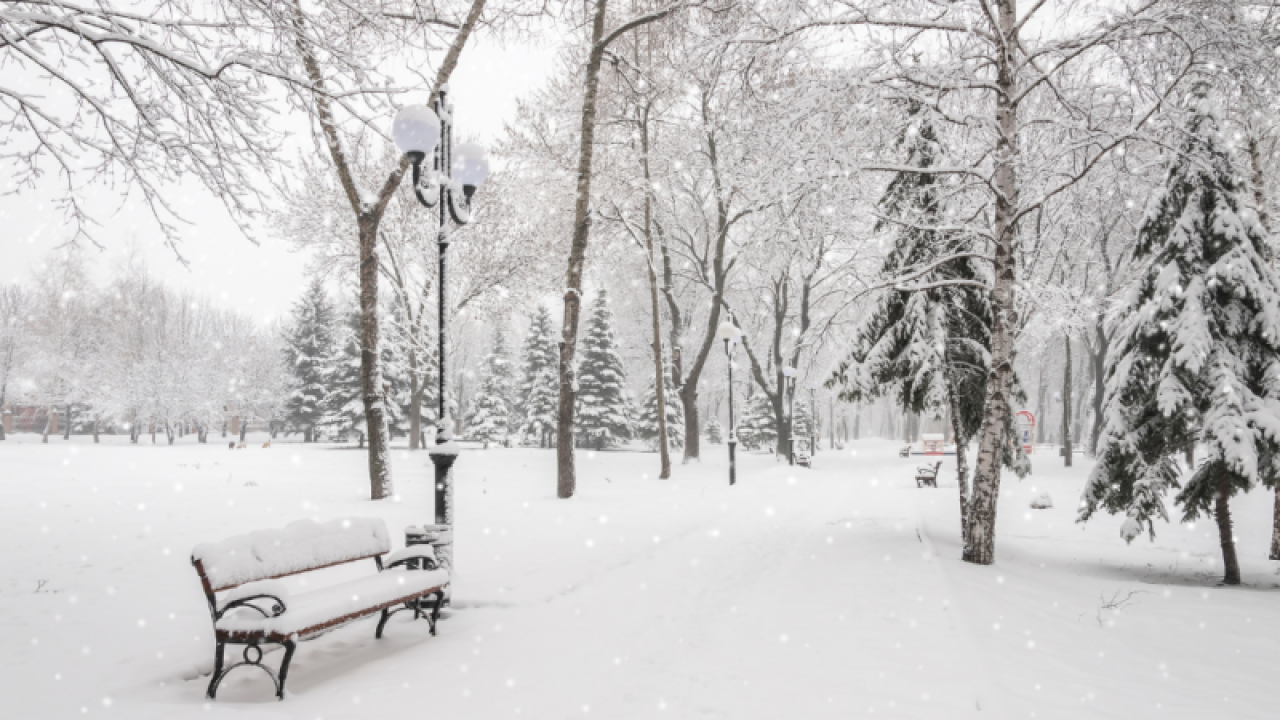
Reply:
x=344, y=401
x=1197, y=356
x=604, y=405
x=490, y=419
x=928, y=346
x=802, y=424
x=758, y=427
x=309, y=353
x=539, y=394
x=646, y=424
x=715, y=433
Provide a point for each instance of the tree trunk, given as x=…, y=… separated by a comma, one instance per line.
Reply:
x=95, y=430
x=993, y=436
x=370, y=373
x=659, y=377
x=1222, y=513
x=1275, y=528
x=962, y=455
x=1099, y=381
x=66, y=431
x=566, y=475
x=244, y=428
x=48, y=425
x=1066, y=402
x=169, y=431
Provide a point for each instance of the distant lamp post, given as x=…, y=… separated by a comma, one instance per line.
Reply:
x=420, y=131
x=789, y=378
x=731, y=335
x=813, y=419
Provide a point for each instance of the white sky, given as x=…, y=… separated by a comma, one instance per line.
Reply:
x=263, y=279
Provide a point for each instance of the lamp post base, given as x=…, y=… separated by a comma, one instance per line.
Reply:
x=733, y=463
x=440, y=534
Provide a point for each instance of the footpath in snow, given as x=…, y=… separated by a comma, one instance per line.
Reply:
x=834, y=592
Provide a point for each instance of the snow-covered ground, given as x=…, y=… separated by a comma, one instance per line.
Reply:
x=828, y=593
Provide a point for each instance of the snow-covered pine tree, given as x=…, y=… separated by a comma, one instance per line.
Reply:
x=646, y=423
x=758, y=427
x=929, y=346
x=604, y=405
x=715, y=432
x=802, y=422
x=1197, y=353
x=539, y=393
x=343, y=403
x=309, y=352
x=490, y=419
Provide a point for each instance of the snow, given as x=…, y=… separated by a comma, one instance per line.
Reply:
x=302, y=545
x=320, y=606
x=828, y=593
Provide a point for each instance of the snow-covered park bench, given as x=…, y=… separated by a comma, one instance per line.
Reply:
x=927, y=474
x=803, y=458
x=251, y=606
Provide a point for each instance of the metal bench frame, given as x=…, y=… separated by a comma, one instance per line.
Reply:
x=254, y=640
x=926, y=478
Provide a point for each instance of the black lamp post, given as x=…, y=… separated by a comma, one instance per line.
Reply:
x=420, y=130
x=813, y=419
x=730, y=335
x=789, y=378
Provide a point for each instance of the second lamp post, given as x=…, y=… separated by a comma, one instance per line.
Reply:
x=730, y=335
x=420, y=131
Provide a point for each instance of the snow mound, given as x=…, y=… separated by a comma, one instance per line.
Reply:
x=1130, y=529
x=301, y=545
x=1042, y=501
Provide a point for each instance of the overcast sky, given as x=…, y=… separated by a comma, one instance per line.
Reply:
x=263, y=279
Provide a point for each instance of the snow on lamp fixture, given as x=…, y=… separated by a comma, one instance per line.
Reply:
x=416, y=130
x=789, y=371
x=470, y=167
x=728, y=332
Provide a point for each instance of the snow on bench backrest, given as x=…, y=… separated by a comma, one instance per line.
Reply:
x=302, y=545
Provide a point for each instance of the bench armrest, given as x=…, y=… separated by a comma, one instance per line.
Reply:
x=425, y=553
x=246, y=595
x=277, y=606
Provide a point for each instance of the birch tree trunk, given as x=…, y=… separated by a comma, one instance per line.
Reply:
x=986, y=485
x=659, y=377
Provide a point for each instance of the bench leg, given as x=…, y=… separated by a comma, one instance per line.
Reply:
x=435, y=611
x=382, y=622
x=289, y=647
x=212, y=691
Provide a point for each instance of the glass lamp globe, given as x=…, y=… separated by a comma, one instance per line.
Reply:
x=727, y=331
x=416, y=130
x=470, y=166
x=789, y=371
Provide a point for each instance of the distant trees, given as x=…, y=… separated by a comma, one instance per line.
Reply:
x=604, y=403
x=132, y=354
x=646, y=423
x=539, y=391
x=492, y=410
x=311, y=358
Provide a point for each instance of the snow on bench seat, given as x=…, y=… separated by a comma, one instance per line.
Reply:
x=299, y=546
x=311, y=613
